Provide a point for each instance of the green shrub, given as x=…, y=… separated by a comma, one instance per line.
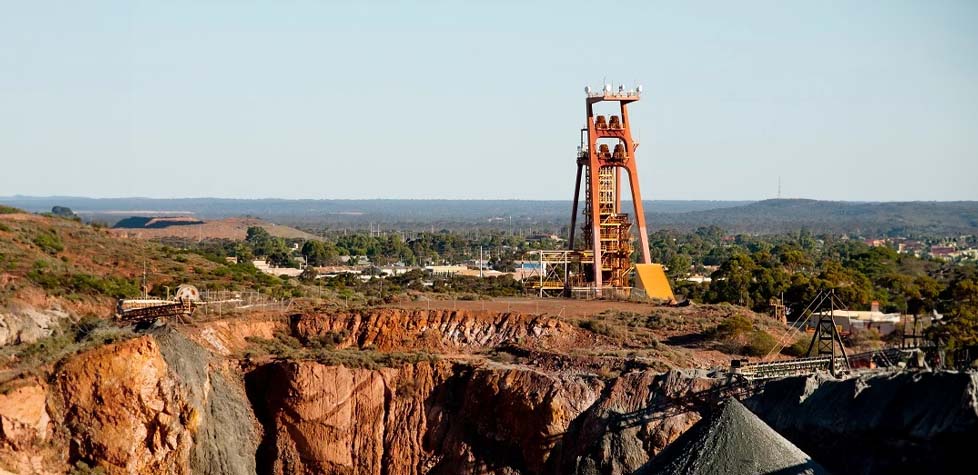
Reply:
x=328, y=341
x=49, y=242
x=82, y=468
x=281, y=345
x=601, y=328
x=370, y=359
x=88, y=332
x=46, y=349
x=287, y=347
x=80, y=283
x=760, y=344
x=799, y=347
x=9, y=210
x=733, y=327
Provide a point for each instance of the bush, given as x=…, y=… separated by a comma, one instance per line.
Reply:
x=329, y=340
x=282, y=345
x=287, y=347
x=49, y=242
x=601, y=328
x=798, y=348
x=9, y=210
x=371, y=359
x=733, y=327
x=80, y=283
x=760, y=344
x=88, y=332
x=82, y=468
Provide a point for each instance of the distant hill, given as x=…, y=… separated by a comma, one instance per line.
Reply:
x=341, y=211
x=774, y=216
x=769, y=216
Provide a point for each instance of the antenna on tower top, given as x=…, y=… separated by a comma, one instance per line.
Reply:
x=779, y=187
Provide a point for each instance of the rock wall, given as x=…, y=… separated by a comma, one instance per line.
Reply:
x=446, y=418
x=332, y=419
x=503, y=419
x=157, y=404
x=632, y=421
x=25, y=427
x=876, y=423
x=124, y=411
x=22, y=323
x=226, y=432
x=388, y=329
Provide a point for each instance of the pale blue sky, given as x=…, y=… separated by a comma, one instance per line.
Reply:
x=861, y=100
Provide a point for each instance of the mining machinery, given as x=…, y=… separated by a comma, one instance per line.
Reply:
x=607, y=148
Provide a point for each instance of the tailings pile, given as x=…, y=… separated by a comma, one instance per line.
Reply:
x=732, y=440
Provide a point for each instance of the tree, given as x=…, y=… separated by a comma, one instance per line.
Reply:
x=308, y=275
x=732, y=281
x=678, y=266
x=275, y=250
x=960, y=326
x=257, y=236
x=318, y=253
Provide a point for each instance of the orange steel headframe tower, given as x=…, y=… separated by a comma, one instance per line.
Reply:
x=606, y=149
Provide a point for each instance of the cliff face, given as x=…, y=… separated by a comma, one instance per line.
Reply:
x=332, y=419
x=149, y=405
x=505, y=419
x=24, y=427
x=124, y=411
x=634, y=420
x=390, y=329
x=447, y=418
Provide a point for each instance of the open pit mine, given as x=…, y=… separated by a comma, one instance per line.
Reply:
x=459, y=393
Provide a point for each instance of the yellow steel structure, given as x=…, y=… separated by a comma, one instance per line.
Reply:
x=652, y=279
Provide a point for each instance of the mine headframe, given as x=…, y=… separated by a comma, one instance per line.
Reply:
x=826, y=341
x=606, y=149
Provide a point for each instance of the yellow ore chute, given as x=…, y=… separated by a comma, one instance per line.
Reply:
x=652, y=279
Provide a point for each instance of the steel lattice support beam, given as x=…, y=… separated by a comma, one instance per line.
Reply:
x=607, y=148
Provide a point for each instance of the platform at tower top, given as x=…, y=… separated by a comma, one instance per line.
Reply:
x=610, y=93
x=626, y=96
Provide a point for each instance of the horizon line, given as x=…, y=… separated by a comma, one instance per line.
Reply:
x=724, y=200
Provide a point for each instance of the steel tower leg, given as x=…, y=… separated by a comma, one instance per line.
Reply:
x=643, y=233
x=577, y=197
x=596, y=226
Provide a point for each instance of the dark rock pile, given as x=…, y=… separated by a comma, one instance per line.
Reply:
x=900, y=422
